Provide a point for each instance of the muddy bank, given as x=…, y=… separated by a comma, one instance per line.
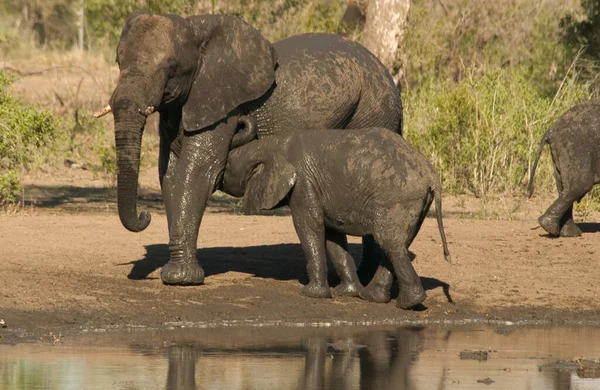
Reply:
x=64, y=274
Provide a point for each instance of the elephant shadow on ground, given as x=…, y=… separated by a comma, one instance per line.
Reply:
x=589, y=227
x=279, y=262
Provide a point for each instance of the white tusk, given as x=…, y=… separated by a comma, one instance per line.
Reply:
x=149, y=110
x=103, y=112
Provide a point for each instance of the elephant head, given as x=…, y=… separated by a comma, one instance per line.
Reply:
x=197, y=70
x=260, y=173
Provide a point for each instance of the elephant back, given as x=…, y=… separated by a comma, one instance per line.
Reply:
x=327, y=81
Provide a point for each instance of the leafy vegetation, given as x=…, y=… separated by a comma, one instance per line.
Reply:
x=24, y=131
x=483, y=132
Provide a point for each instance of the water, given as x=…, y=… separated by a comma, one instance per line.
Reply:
x=303, y=358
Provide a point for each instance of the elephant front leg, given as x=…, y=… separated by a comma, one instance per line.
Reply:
x=371, y=259
x=186, y=188
x=337, y=248
x=309, y=225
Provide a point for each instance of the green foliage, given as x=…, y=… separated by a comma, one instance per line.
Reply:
x=10, y=186
x=454, y=39
x=584, y=30
x=482, y=133
x=8, y=40
x=24, y=131
x=581, y=37
x=108, y=162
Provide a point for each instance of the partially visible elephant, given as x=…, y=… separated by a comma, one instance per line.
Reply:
x=574, y=141
x=368, y=182
x=200, y=74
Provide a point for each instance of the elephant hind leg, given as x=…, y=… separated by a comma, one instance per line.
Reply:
x=402, y=225
x=559, y=215
x=379, y=288
x=411, y=291
x=558, y=218
x=569, y=228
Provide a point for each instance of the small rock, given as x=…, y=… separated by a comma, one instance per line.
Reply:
x=505, y=331
x=474, y=355
x=486, y=381
x=2, y=323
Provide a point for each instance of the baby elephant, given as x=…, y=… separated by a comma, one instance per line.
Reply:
x=337, y=182
x=574, y=141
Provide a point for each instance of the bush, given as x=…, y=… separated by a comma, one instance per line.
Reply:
x=482, y=133
x=24, y=131
x=10, y=186
x=453, y=39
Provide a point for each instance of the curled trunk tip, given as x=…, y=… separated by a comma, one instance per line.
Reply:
x=138, y=224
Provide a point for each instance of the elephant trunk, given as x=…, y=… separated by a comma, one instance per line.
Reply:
x=128, y=141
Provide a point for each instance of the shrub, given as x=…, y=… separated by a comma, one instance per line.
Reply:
x=24, y=131
x=452, y=39
x=482, y=133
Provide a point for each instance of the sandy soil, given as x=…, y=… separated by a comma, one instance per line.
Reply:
x=69, y=265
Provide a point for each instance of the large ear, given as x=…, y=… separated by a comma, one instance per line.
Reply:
x=236, y=65
x=269, y=184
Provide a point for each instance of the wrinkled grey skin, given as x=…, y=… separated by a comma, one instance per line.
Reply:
x=200, y=74
x=574, y=139
x=367, y=182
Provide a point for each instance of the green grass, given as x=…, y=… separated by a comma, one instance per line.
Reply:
x=482, y=133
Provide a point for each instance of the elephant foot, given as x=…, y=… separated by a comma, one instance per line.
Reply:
x=182, y=273
x=570, y=229
x=314, y=290
x=550, y=225
x=409, y=298
x=349, y=289
x=375, y=293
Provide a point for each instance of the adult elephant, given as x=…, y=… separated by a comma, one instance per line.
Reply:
x=201, y=73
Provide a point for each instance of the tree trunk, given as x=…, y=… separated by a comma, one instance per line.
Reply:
x=384, y=33
x=80, y=24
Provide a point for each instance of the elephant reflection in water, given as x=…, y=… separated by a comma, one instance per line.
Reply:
x=374, y=360
x=384, y=360
x=182, y=367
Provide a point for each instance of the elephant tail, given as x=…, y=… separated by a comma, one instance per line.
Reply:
x=543, y=142
x=437, y=194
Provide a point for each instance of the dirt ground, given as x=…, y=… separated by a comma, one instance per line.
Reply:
x=69, y=266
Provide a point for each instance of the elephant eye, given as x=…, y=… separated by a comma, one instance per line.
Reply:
x=172, y=66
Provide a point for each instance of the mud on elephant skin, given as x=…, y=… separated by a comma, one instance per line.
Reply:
x=573, y=141
x=368, y=182
x=200, y=73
